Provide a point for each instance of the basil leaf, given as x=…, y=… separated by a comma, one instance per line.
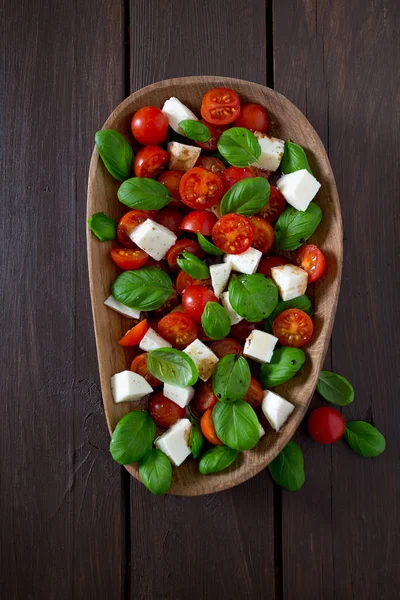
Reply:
x=196, y=440
x=253, y=297
x=193, y=266
x=172, y=366
x=246, y=197
x=231, y=378
x=208, y=246
x=155, y=471
x=215, y=321
x=195, y=130
x=294, y=159
x=285, y=363
x=301, y=302
x=143, y=194
x=236, y=424
x=144, y=289
x=217, y=459
x=239, y=146
x=287, y=469
x=294, y=227
x=335, y=388
x=132, y=438
x=364, y=439
x=116, y=153
x=104, y=227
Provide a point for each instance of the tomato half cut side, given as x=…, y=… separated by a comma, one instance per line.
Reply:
x=150, y=161
x=128, y=258
x=211, y=163
x=194, y=299
x=275, y=206
x=200, y=188
x=311, y=259
x=254, y=117
x=220, y=106
x=178, y=329
x=207, y=428
x=226, y=346
x=204, y=397
x=233, y=234
x=267, y=263
x=134, y=336
x=127, y=224
x=139, y=366
x=264, y=234
x=293, y=327
x=183, y=245
x=232, y=175
x=201, y=221
x=326, y=425
x=164, y=411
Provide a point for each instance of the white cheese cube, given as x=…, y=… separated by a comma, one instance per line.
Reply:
x=181, y=156
x=129, y=387
x=204, y=359
x=262, y=431
x=176, y=112
x=153, y=238
x=246, y=262
x=259, y=346
x=219, y=277
x=298, y=188
x=272, y=150
x=152, y=341
x=232, y=314
x=180, y=395
x=290, y=280
x=276, y=409
x=111, y=302
x=175, y=441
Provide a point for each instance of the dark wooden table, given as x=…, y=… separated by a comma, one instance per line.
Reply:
x=74, y=525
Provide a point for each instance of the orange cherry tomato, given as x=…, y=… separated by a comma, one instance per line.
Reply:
x=326, y=425
x=266, y=264
x=149, y=125
x=178, y=329
x=293, y=327
x=139, y=366
x=200, y=188
x=164, y=411
x=207, y=428
x=275, y=206
x=204, y=397
x=220, y=106
x=226, y=346
x=134, y=336
x=311, y=259
x=129, y=259
x=233, y=234
x=232, y=175
x=127, y=224
x=183, y=245
x=264, y=234
x=254, y=395
x=150, y=161
x=254, y=117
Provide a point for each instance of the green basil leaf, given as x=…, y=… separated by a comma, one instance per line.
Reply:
x=236, y=425
x=301, y=302
x=116, y=153
x=193, y=266
x=253, y=297
x=208, y=246
x=231, y=378
x=144, y=289
x=143, y=194
x=133, y=437
x=195, y=130
x=364, y=439
x=215, y=321
x=246, y=197
x=239, y=146
x=294, y=159
x=104, y=227
x=172, y=366
x=196, y=440
x=155, y=471
x=335, y=388
x=287, y=469
x=217, y=459
x=294, y=227
x=285, y=363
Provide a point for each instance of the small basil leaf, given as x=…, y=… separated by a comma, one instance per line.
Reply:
x=253, y=297
x=104, y=227
x=116, y=153
x=217, y=459
x=144, y=289
x=239, y=146
x=236, y=425
x=231, y=378
x=207, y=246
x=195, y=130
x=155, y=471
x=196, y=439
x=193, y=266
x=301, y=302
x=246, y=197
x=364, y=439
x=172, y=366
x=294, y=159
x=143, y=194
x=335, y=388
x=294, y=227
x=132, y=438
x=285, y=363
x=287, y=469
x=215, y=321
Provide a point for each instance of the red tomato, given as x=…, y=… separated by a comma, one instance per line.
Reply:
x=194, y=299
x=293, y=327
x=200, y=188
x=207, y=428
x=243, y=329
x=129, y=259
x=204, y=397
x=254, y=395
x=211, y=164
x=164, y=411
x=266, y=264
x=183, y=245
x=134, y=336
x=171, y=180
x=172, y=301
x=220, y=106
x=149, y=125
x=226, y=346
x=215, y=135
x=199, y=220
x=150, y=161
x=232, y=175
x=311, y=259
x=275, y=206
x=262, y=173
x=127, y=224
x=171, y=218
x=264, y=234
x=233, y=234
x=254, y=117
x=184, y=280
x=201, y=334
x=178, y=329
x=159, y=264
x=326, y=425
x=139, y=366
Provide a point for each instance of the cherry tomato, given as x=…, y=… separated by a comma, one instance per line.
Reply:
x=207, y=428
x=326, y=425
x=204, y=397
x=164, y=411
x=215, y=135
x=211, y=164
x=139, y=366
x=275, y=206
x=200, y=188
x=243, y=329
x=254, y=117
x=178, y=329
x=172, y=301
x=127, y=224
x=233, y=234
x=171, y=218
x=266, y=264
x=254, y=395
x=262, y=173
x=226, y=346
x=220, y=106
x=311, y=259
x=201, y=334
x=194, y=299
x=232, y=175
x=171, y=180
x=159, y=264
x=199, y=220
x=150, y=161
x=293, y=327
x=264, y=234
x=183, y=245
x=149, y=125
x=183, y=281
x=134, y=336
x=129, y=259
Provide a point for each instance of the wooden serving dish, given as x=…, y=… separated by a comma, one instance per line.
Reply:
x=287, y=122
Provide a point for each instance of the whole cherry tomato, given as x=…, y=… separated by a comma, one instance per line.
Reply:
x=254, y=117
x=226, y=346
x=171, y=218
x=266, y=264
x=194, y=299
x=204, y=397
x=164, y=411
x=183, y=281
x=275, y=206
x=183, y=245
x=326, y=425
x=232, y=175
x=199, y=221
x=264, y=234
x=149, y=125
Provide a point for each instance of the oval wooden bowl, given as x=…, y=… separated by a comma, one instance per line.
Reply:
x=287, y=122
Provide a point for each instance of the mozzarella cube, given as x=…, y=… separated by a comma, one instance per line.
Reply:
x=175, y=441
x=290, y=280
x=129, y=387
x=153, y=238
x=272, y=150
x=219, y=277
x=152, y=341
x=176, y=112
x=181, y=156
x=259, y=346
x=276, y=409
x=262, y=431
x=246, y=262
x=204, y=359
x=298, y=188
x=232, y=314
x=111, y=302
x=180, y=395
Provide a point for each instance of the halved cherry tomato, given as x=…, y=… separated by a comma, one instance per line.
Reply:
x=164, y=411
x=134, y=336
x=171, y=180
x=183, y=281
x=211, y=164
x=226, y=346
x=275, y=206
x=311, y=259
x=150, y=161
x=199, y=221
x=215, y=132
x=326, y=425
x=127, y=224
x=243, y=329
x=254, y=395
x=204, y=397
x=254, y=117
x=129, y=259
x=183, y=245
x=178, y=329
x=232, y=175
x=171, y=218
x=200, y=188
x=149, y=125
x=266, y=264
x=233, y=234
x=194, y=299
x=264, y=234
x=207, y=428
x=293, y=327
x=139, y=366
x=172, y=301
x=201, y=334
x=220, y=106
